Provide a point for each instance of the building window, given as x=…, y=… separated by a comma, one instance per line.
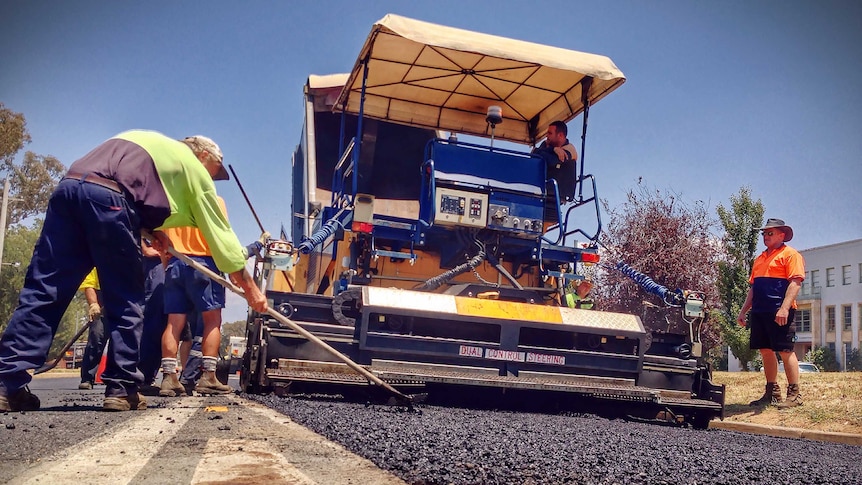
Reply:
x=815, y=275
x=803, y=320
x=845, y=275
x=860, y=272
x=848, y=348
x=830, y=277
x=830, y=319
x=847, y=316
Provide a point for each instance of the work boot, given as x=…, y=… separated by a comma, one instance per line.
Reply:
x=794, y=397
x=772, y=396
x=131, y=402
x=149, y=389
x=85, y=385
x=171, y=386
x=209, y=384
x=189, y=386
x=20, y=400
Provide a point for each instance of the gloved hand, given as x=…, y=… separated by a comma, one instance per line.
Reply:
x=94, y=312
x=254, y=249
x=264, y=237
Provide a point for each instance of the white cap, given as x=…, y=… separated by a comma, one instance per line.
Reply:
x=202, y=143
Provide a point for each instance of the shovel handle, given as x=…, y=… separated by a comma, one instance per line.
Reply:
x=293, y=325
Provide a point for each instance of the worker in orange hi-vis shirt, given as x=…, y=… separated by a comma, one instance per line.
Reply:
x=188, y=291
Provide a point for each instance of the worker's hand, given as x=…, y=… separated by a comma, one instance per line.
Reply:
x=148, y=251
x=264, y=237
x=781, y=317
x=161, y=242
x=561, y=154
x=94, y=312
x=255, y=299
x=254, y=249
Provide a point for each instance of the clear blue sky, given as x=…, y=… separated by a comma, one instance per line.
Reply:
x=718, y=94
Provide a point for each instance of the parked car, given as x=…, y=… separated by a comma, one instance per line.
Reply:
x=803, y=367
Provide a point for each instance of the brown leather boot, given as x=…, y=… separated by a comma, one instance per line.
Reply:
x=20, y=400
x=171, y=386
x=794, y=397
x=772, y=396
x=209, y=384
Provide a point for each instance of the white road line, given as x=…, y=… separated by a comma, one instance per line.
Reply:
x=117, y=455
x=245, y=461
x=321, y=460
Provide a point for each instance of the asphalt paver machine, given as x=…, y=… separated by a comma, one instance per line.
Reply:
x=432, y=247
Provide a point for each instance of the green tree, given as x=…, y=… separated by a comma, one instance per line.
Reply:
x=13, y=134
x=740, y=243
x=20, y=240
x=31, y=185
x=228, y=330
x=824, y=358
x=854, y=360
x=16, y=256
x=659, y=235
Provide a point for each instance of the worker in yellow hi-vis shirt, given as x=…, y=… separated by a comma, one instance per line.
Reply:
x=579, y=295
x=96, y=338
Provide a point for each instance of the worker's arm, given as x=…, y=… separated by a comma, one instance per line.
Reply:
x=94, y=310
x=256, y=300
x=789, y=297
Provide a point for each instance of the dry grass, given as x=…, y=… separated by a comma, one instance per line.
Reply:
x=833, y=401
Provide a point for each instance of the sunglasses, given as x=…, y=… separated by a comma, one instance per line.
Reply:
x=769, y=233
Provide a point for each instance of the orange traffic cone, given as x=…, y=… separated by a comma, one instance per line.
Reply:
x=101, y=368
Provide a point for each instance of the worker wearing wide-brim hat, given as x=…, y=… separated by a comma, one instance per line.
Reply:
x=776, y=278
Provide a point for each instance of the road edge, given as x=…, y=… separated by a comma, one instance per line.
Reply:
x=780, y=432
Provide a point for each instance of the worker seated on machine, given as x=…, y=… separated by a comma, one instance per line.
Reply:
x=578, y=295
x=560, y=157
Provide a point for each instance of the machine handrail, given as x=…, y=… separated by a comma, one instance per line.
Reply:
x=340, y=174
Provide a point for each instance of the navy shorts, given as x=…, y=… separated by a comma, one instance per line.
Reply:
x=766, y=334
x=188, y=290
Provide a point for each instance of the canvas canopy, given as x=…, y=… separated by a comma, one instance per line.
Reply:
x=445, y=78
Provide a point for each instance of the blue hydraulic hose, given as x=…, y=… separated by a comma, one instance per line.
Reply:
x=320, y=236
x=648, y=284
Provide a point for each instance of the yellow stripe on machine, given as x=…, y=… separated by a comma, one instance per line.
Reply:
x=398, y=301
x=507, y=310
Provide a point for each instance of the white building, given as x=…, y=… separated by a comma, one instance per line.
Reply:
x=829, y=312
x=830, y=303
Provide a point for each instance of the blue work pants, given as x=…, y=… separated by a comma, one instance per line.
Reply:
x=86, y=226
x=96, y=342
x=155, y=319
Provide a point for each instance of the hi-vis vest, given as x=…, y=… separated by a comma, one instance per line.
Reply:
x=575, y=301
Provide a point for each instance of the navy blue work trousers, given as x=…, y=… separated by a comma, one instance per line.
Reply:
x=155, y=319
x=96, y=342
x=86, y=226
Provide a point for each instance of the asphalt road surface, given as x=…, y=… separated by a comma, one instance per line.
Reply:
x=234, y=439
x=200, y=440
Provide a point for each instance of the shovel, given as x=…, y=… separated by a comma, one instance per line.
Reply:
x=50, y=365
x=399, y=397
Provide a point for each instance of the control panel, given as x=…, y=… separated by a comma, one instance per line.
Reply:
x=460, y=207
x=515, y=217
